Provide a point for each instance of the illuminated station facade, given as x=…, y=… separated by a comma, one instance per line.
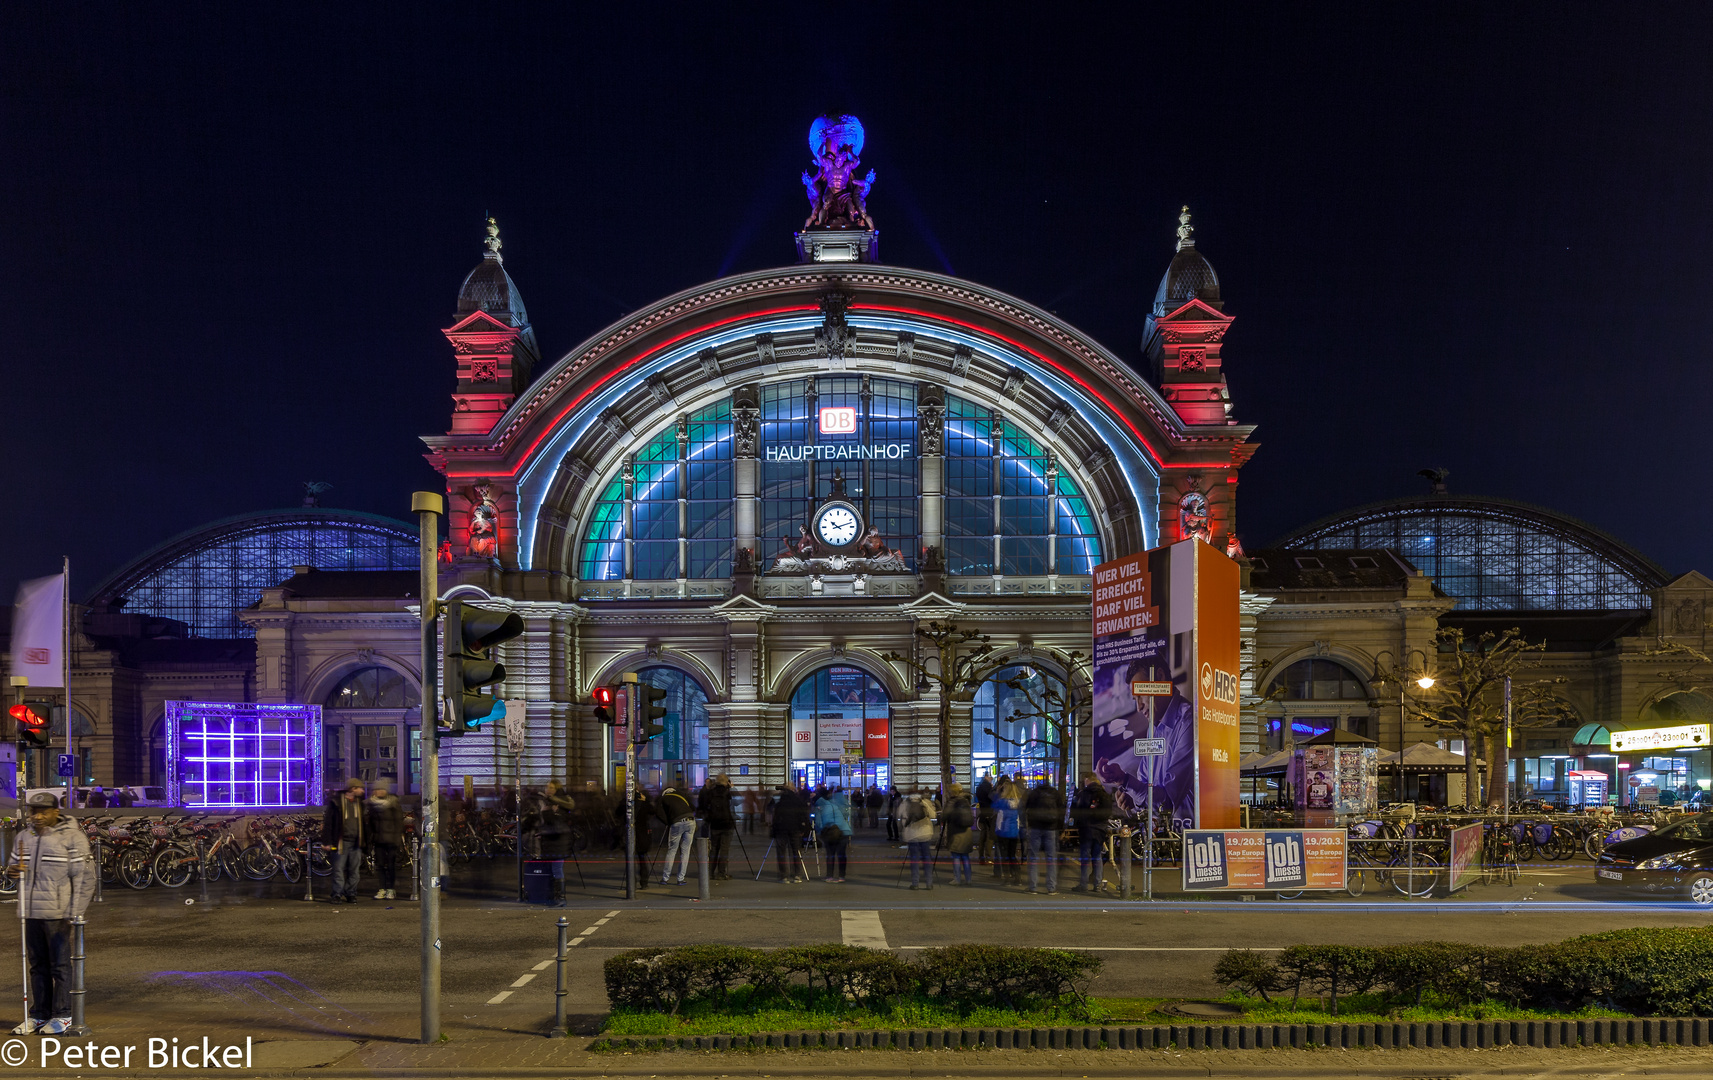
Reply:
x=756, y=491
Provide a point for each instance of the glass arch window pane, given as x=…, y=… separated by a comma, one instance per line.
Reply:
x=373, y=688
x=679, y=757
x=604, y=547
x=1321, y=680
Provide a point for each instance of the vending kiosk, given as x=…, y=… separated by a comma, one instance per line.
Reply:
x=1588, y=787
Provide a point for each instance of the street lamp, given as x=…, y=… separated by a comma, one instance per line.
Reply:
x=1425, y=681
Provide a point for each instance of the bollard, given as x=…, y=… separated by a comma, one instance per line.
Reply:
x=78, y=1027
x=309, y=873
x=416, y=878
x=559, y=990
x=1124, y=863
x=98, y=898
x=201, y=871
x=702, y=867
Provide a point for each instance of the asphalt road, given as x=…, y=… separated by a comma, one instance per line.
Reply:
x=257, y=956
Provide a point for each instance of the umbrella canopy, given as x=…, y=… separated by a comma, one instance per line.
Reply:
x=1339, y=737
x=1271, y=765
x=1426, y=758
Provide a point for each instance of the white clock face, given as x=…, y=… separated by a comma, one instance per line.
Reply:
x=837, y=527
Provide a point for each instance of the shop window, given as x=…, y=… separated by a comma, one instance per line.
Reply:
x=841, y=729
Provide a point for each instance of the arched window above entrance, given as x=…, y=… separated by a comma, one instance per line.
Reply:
x=841, y=729
x=679, y=756
x=1017, y=725
x=373, y=688
x=1321, y=680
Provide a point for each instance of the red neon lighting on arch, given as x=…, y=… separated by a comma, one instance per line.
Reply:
x=1061, y=369
x=620, y=370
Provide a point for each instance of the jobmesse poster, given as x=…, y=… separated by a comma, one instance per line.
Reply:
x=1166, y=657
x=1264, y=859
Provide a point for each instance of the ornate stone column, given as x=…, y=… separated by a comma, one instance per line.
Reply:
x=746, y=434
x=931, y=443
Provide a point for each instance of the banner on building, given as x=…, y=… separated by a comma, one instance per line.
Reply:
x=1264, y=860
x=38, y=631
x=1166, y=661
x=802, y=738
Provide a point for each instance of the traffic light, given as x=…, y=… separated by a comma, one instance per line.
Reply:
x=647, y=712
x=33, y=723
x=604, y=705
x=470, y=634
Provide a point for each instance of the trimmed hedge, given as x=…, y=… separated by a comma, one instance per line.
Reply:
x=1647, y=972
x=964, y=977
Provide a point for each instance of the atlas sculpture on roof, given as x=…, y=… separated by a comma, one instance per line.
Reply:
x=837, y=198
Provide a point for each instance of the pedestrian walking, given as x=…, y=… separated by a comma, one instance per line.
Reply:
x=832, y=814
x=894, y=803
x=343, y=832
x=1044, y=816
x=919, y=817
x=1007, y=828
x=959, y=822
x=680, y=819
x=58, y=878
x=874, y=802
x=1090, y=811
x=553, y=835
x=984, y=819
x=386, y=833
x=714, y=803
x=790, y=825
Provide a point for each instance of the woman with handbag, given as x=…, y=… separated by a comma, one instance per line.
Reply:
x=833, y=814
x=959, y=821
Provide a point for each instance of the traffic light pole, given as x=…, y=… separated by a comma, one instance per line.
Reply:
x=429, y=506
x=630, y=689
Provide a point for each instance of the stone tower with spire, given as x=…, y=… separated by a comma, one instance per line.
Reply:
x=493, y=341
x=1183, y=334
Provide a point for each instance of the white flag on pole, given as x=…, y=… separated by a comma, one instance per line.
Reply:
x=38, y=631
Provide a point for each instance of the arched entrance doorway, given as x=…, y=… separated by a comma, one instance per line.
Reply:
x=1018, y=729
x=841, y=730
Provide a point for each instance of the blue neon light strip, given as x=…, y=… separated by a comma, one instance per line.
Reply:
x=245, y=779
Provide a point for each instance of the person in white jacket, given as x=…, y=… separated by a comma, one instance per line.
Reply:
x=56, y=886
x=920, y=817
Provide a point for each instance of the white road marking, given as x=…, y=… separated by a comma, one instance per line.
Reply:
x=524, y=980
x=603, y=922
x=499, y=997
x=612, y=914
x=575, y=941
x=590, y=930
x=863, y=928
x=544, y=965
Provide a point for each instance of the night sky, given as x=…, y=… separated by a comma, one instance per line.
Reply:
x=1472, y=236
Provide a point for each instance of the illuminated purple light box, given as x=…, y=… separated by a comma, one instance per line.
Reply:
x=241, y=754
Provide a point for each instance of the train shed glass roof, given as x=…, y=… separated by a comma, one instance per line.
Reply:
x=1495, y=554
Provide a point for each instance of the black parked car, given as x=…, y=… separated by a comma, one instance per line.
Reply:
x=1675, y=859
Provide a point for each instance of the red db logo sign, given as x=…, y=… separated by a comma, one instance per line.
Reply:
x=839, y=420
x=802, y=736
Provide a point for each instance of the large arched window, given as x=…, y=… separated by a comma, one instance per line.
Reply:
x=678, y=757
x=832, y=711
x=680, y=502
x=1009, y=507
x=373, y=688
x=1314, y=697
x=1017, y=730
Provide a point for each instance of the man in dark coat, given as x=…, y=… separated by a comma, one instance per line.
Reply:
x=1043, y=817
x=714, y=803
x=1090, y=811
x=344, y=829
x=790, y=825
x=985, y=819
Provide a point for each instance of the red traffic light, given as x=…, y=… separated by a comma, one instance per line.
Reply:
x=28, y=717
x=603, y=695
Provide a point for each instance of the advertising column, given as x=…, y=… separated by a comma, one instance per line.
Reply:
x=1166, y=658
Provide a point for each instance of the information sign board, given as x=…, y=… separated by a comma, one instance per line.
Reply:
x=1258, y=860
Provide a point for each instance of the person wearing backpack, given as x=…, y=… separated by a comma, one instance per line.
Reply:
x=959, y=820
x=833, y=815
x=920, y=815
x=1090, y=811
x=790, y=825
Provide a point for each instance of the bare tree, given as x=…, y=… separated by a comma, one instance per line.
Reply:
x=1065, y=707
x=962, y=661
x=1467, y=696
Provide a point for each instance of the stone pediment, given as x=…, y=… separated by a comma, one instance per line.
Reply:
x=480, y=322
x=1194, y=311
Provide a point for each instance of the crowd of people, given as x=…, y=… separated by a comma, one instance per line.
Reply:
x=1005, y=825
